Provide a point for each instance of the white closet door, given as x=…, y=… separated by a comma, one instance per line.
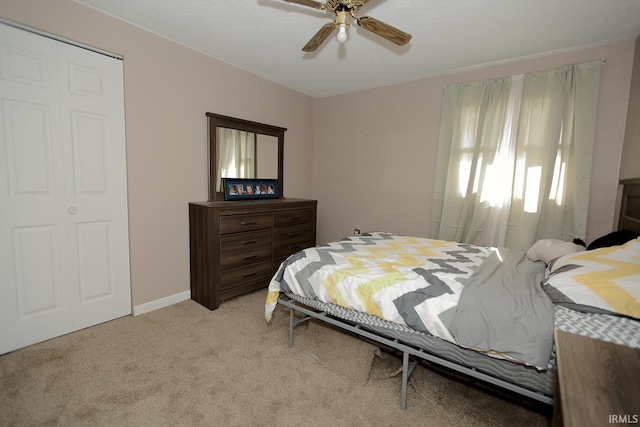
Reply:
x=92, y=106
x=34, y=303
x=64, y=247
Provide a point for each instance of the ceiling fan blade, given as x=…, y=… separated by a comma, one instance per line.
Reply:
x=320, y=37
x=310, y=3
x=390, y=33
x=356, y=3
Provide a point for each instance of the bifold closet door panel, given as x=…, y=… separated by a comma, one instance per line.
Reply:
x=64, y=253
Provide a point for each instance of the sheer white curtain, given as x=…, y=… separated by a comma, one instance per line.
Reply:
x=237, y=154
x=471, y=136
x=554, y=150
x=514, y=158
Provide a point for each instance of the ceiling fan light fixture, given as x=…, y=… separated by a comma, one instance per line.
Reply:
x=342, y=34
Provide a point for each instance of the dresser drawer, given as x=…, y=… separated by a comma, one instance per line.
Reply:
x=239, y=223
x=242, y=275
x=244, y=249
x=293, y=217
x=290, y=240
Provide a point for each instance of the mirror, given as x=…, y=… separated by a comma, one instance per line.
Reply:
x=243, y=154
x=243, y=149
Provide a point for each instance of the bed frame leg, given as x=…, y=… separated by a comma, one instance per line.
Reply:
x=405, y=380
x=292, y=322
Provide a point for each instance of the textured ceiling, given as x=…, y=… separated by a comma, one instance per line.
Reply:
x=265, y=37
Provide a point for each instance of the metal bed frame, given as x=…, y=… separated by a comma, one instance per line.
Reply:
x=629, y=219
x=407, y=350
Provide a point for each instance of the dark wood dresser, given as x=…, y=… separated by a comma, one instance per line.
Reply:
x=237, y=246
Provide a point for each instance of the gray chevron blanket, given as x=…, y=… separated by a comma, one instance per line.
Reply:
x=411, y=281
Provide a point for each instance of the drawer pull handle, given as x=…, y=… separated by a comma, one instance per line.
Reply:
x=297, y=233
x=293, y=247
x=248, y=257
x=249, y=242
x=249, y=274
x=294, y=218
x=248, y=222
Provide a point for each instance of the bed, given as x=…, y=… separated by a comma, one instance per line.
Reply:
x=488, y=313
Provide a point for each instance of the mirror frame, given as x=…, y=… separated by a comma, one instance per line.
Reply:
x=218, y=120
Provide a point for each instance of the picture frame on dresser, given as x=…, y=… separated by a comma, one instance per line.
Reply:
x=249, y=188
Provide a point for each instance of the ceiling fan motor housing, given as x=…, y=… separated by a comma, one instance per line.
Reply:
x=343, y=12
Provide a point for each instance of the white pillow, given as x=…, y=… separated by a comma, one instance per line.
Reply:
x=547, y=249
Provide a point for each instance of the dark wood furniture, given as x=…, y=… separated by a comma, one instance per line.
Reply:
x=630, y=205
x=598, y=383
x=236, y=247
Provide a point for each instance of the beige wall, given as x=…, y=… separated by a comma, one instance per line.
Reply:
x=630, y=165
x=375, y=150
x=168, y=90
x=367, y=157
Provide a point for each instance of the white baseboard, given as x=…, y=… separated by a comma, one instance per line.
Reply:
x=161, y=303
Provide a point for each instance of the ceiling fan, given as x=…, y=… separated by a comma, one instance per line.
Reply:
x=344, y=11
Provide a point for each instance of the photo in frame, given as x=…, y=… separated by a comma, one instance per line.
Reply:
x=249, y=188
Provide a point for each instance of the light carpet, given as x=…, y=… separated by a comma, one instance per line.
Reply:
x=186, y=365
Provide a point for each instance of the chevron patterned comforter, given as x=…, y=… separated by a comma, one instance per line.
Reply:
x=407, y=280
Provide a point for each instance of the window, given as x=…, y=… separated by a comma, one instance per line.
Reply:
x=507, y=148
